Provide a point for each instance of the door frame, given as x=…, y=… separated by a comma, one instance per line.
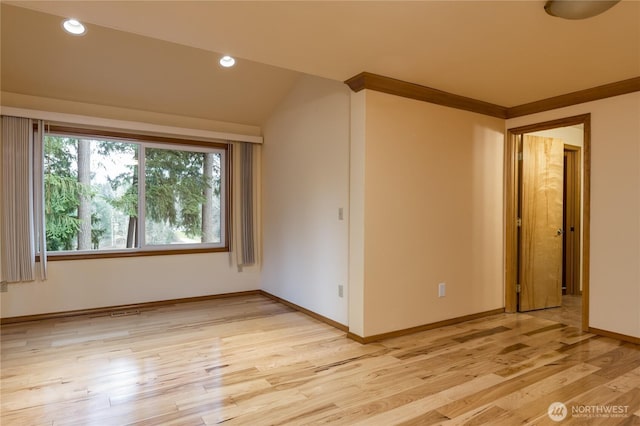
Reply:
x=571, y=215
x=511, y=185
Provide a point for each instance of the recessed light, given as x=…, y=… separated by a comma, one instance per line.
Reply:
x=73, y=26
x=227, y=61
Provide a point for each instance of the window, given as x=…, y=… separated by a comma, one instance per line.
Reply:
x=113, y=194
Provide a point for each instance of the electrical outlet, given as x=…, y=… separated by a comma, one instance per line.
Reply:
x=442, y=289
x=340, y=213
x=340, y=290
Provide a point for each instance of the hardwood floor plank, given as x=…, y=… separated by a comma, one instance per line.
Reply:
x=532, y=409
x=429, y=418
x=252, y=361
x=545, y=329
x=626, y=382
x=619, y=361
x=238, y=413
x=481, y=333
x=536, y=361
x=489, y=414
x=542, y=388
x=418, y=406
x=485, y=396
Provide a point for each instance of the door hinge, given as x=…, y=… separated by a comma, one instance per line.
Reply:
x=518, y=288
x=519, y=156
x=519, y=222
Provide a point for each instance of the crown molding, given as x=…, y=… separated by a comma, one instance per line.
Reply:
x=392, y=86
x=379, y=83
x=581, y=96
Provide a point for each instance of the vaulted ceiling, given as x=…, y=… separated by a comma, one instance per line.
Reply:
x=162, y=55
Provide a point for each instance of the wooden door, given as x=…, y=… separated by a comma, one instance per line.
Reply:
x=541, y=226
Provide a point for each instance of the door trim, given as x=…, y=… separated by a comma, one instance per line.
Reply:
x=511, y=203
x=571, y=218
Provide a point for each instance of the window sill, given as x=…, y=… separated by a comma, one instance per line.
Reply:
x=52, y=257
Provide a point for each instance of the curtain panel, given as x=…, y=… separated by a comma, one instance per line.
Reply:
x=245, y=208
x=22, y=232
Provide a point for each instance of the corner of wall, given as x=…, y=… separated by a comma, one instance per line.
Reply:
x=357, y=158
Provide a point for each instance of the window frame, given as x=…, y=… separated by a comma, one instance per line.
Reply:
x=161, y=142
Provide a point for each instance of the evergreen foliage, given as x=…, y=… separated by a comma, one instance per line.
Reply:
x=177, y=192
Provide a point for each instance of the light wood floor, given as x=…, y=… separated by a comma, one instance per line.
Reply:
x=569, y=313
x=252, y=361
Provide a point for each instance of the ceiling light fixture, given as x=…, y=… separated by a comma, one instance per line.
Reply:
x=227, y=61
x=73, y=26
x=578, y=9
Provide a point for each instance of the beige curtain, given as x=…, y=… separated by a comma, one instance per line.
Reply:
x=245, y=209
x=22, y=226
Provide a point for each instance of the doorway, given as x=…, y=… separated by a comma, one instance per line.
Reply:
x=547, y=246
x=571, y=218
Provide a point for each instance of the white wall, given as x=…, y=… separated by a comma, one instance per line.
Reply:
x=357, y=212
x=305, y=181
x=614, y=289
x=432, y=213
x=86, y=284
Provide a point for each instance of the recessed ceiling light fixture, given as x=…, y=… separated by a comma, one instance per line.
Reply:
x=578, y=9
x=73, y=26
x=227, y=61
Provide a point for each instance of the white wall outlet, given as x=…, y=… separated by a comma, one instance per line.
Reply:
x=442, y=289
x=340, y=290
x=341, y=213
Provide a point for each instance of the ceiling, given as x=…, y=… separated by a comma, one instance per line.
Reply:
x=161, y=55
